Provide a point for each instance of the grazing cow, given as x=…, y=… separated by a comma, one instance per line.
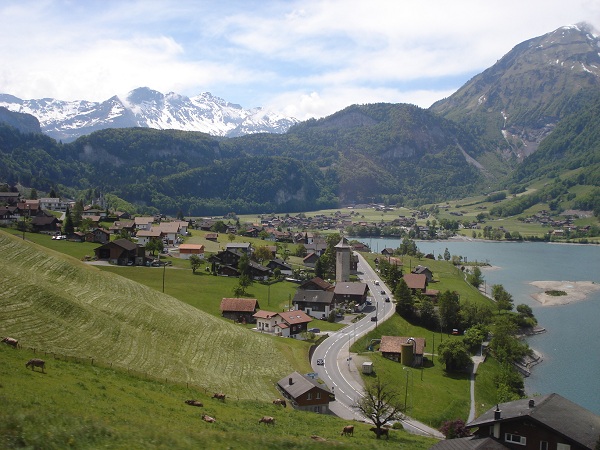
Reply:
x=208, y=418
x=280, y=401
x=381, y=432
x=348, y=430
x=267, y=420
x=219, y=396
x=35, y=363
x=194, y=403
x=10, y=341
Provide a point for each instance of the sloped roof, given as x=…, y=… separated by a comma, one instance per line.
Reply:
x=350, y=288
x=239, y=304
x=313, y=296
x=154, y=232
x=416, y=280
x=300, y=385
x=295, y=317
x=469, y=443
x=264, y=314
x=191, y=247
x=393, y=344
x=318, y=282
x=554, y=411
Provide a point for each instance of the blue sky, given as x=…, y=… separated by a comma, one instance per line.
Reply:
x=303, y=58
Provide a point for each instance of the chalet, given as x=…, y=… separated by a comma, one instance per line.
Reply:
x=315, y=303
x=317, y=283
x=424, y=270
x=9, y=198
x=241, y=310
x=213, y=237
x=98, y=235
x=43, y=222
x=416, y=282
x=187, y=250
x=387, y=251
x=245, y=247
x=305, y=393
x=277, y=263
x=286, y=324
x=121, y=252
x=145, y=236
x=169, y=231
x=360, y=247
x=545, y=422
x=352, y=293
x=251, y=232
x=143, y=223
x=398, y=347
x=122, y=225
x=317, y=247
x=310, y=260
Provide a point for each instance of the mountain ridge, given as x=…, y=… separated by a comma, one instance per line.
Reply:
x=147, y=108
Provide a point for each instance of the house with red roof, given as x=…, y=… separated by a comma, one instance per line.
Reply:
x=286, y=324
x=240, y=310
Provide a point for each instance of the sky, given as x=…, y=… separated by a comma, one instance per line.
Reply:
x=303, y=58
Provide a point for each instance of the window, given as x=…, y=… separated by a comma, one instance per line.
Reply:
x=563, y=447
x=318, y=397
x=515, y=438
x=543, y=445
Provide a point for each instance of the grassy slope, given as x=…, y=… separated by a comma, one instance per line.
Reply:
x=56, y=303
x=76, y=405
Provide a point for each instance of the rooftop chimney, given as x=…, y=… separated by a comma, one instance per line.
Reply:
x=497, y=413
x=291, y=381
x=531, y=403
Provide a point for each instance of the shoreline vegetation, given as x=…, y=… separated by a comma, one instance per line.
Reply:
x=574, y=291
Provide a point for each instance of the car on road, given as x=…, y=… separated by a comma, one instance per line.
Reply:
x=320, y=362
x=376, y=282
x=382, y=292
x=387, y=299
x=374, y=319
x=369, y=302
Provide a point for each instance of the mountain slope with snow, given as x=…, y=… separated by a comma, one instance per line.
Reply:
x=144, y=107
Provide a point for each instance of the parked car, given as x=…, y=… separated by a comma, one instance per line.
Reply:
x=387, y=299
x=374, y=319
x=314, y=330
x=382, y=292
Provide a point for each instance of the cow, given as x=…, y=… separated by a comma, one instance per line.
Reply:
x=219, y=396
x=348, y=430
x=194, y=403
x=280, y=401
x=381, y=432
x=35, y=363
x=208, y=418
x=267, y=420
x=10, y=341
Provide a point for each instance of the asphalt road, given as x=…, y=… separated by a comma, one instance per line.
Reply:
x=339, y=372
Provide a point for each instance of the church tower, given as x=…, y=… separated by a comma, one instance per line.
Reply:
x=343, y=251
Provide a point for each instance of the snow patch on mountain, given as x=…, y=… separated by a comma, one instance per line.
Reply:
x=145, y=107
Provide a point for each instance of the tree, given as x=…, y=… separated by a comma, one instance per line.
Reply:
x=68, y=227
x=155, y=245
x=475, y=278
x=449, y=309
x=475, y=335
x=405, y=305
x=504, y=300
x=33, y=194
x=380, y=404
x=195, y=262
x=427, y=313
x=219, y=227
x=453, y=429
x=447, y=255
x=454, y=354
x=262, y=254
x=231, y=237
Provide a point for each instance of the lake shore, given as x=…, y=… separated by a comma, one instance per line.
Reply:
x=575, y=291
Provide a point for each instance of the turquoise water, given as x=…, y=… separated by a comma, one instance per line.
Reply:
x=571, y=344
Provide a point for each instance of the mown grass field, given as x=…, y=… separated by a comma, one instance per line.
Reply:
x=77, y=405
x=56, y=303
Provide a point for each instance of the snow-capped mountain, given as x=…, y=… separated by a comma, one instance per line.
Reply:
x=144, y=107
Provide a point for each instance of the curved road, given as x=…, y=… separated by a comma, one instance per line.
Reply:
x=339, y=372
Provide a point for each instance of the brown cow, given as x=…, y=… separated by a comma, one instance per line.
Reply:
x=348, y=430
x=381, y=432
x=10, y=341
x=208, y=418
x=194, y=403
x=280, y=401
x=268, y=420
x=36, y=363
x=219, y=396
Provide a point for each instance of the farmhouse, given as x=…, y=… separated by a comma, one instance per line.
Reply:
x=241, y=310
x=544, y=422
x=121, y=252
x=352, y=293
x=187, y=250
x=286, y=324
x=424, y=270
x=406, y=350
x=145, y=236
x=305, y=393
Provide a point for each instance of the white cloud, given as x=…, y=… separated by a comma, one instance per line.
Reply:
x=310, y=57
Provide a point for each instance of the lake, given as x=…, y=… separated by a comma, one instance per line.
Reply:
x=571, y=344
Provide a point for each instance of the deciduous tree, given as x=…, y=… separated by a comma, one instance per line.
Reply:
x=380, y=404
